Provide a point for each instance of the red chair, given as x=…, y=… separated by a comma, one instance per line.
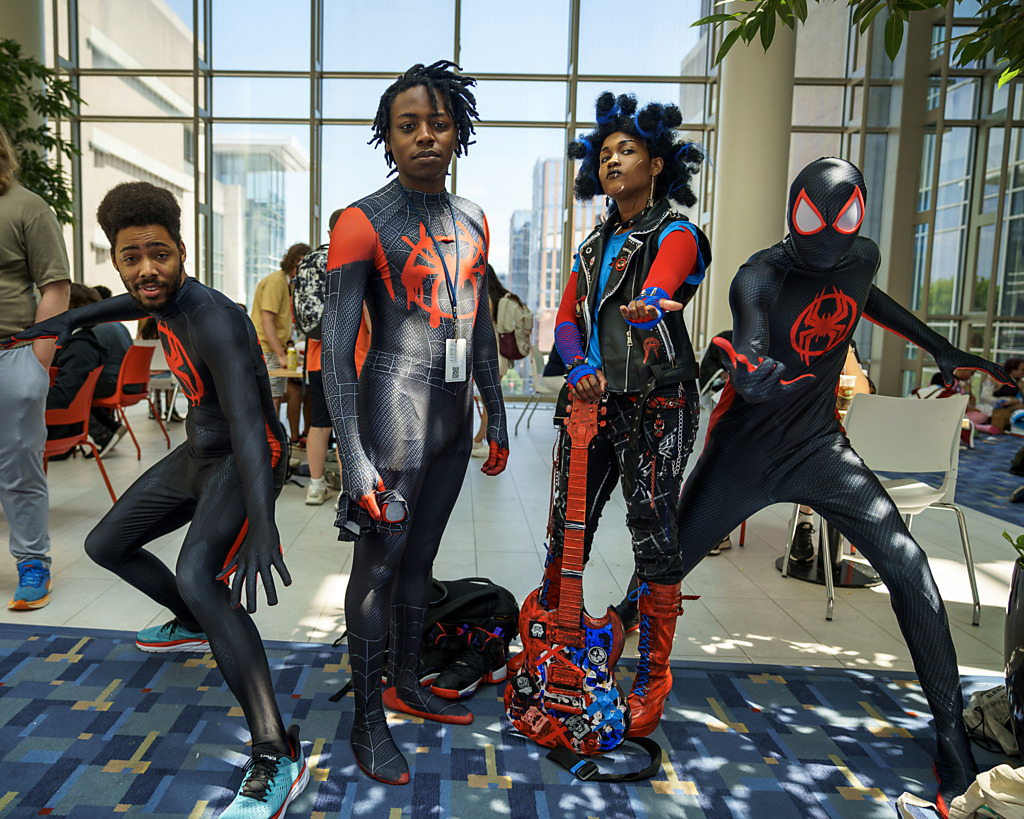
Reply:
x=77, y=414
x=134, y=372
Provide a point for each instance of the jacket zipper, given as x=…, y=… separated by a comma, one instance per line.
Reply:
x=629, y=352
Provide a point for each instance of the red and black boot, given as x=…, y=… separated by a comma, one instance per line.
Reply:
x=659, y=606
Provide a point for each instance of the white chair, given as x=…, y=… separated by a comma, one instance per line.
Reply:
x=909, y=435
x=544, y=387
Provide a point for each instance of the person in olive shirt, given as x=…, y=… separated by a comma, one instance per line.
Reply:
x=272, y=314
x=32, y=253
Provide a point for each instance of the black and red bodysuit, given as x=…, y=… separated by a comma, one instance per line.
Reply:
x=776, y=436
x=406, y=429
x=221, y=482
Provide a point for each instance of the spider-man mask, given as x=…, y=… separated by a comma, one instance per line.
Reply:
x=826, y=209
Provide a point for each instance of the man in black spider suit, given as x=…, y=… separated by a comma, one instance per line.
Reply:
x=776, y=436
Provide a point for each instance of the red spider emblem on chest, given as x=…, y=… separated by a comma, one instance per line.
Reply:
x=182, y=367
x=823, y=324
x=423, y=274
x=651, y=345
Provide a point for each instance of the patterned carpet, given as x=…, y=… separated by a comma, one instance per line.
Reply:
x=983, y=482
x=90, y=726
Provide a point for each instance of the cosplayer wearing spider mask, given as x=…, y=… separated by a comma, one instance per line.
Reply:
x=418, y=256
x=625, y=343
x=775, y=436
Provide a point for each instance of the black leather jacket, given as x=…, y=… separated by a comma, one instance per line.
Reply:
x=632, y=357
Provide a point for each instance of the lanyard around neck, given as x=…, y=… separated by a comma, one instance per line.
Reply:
x=440, y=255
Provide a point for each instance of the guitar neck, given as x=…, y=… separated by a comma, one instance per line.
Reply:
x=582, y=426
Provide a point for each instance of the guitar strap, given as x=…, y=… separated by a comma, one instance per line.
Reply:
x=587, y=770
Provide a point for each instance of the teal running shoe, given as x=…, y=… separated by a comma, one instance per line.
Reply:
x=171, y=636
x=271, y=783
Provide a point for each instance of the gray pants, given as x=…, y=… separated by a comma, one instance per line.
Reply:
x=24, y=495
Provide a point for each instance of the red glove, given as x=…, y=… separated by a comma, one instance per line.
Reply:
x=495, y=463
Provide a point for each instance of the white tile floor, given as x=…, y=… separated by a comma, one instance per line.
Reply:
x=747, y=612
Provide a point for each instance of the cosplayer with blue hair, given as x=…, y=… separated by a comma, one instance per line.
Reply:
x=621, y=332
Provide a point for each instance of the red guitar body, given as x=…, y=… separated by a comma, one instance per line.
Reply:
x=565, y=693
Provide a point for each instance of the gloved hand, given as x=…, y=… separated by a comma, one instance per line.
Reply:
x=759, y=382
x=59, y=327
x=950, y=358
x=258, y=553
x=495, y=463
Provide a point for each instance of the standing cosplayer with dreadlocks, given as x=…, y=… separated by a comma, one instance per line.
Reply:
x=418, y=256
x=645, y=257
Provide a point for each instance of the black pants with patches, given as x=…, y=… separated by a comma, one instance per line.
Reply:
x=651, y=475
x=205, y=493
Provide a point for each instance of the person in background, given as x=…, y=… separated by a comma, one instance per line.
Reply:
x=272, y=315
x=73, y=362
x=496, y=291
x=104, y=428
x=32, y=256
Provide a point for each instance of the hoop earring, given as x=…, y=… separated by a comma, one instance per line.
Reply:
x=650, y=199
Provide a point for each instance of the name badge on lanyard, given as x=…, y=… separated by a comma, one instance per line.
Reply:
x=454, y=360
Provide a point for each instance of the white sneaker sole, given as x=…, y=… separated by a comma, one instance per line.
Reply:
x=297, y=787
x=201, y=646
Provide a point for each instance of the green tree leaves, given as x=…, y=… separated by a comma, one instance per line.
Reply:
x=31, y=86
x=1000, y=31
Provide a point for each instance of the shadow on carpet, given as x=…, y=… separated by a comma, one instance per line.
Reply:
x=90, y=726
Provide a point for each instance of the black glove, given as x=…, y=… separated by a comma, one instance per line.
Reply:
x=950, y=358
x=255, y=557
x=59, y=327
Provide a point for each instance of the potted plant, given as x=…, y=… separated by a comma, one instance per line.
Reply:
x=29, y=86
x=1013, y=641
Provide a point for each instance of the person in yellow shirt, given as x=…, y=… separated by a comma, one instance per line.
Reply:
x=272, y=315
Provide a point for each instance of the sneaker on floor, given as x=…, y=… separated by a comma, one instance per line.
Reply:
x=171, y=636
x=316, y=495
x=483, y=660
x=481, y=449
x=724, y=543
x=803, y=543
x=440, y=651
x=271, y=783
x=294, y=462
x=113, y=440
x=33, y=590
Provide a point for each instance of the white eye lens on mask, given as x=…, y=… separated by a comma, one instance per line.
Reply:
x=806, y=218
x=852, y=214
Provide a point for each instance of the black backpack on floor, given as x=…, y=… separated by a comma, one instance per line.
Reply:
x=469, y=602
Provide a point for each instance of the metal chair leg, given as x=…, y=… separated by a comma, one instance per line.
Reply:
x=968, y=558
x=792, y=535
x=825, y=550
x=529, y=401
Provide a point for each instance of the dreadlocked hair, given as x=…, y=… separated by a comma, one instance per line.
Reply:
x=655, y=125
x=454, y=90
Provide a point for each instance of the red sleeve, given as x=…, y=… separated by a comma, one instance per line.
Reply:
x=676, y=259
x=354, y=240
x=567, y=307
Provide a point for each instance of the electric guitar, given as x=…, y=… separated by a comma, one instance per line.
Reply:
x=565, y=694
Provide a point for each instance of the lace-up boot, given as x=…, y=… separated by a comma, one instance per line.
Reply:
x=659, y=606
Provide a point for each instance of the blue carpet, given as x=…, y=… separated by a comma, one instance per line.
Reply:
x=90, y=726
x=983, y=482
